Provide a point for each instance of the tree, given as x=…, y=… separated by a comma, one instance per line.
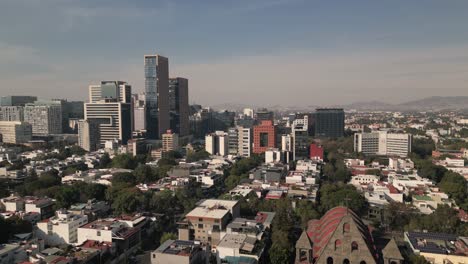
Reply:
x=104, y=161
x=123, y=178
x=279, y=254
x=418, y=259
x=124, y=161
x=332, y=195
x=423, y=147
x=198, y=155
x=127, y=201
x=167, y=236
x=145, y=174
x=454, y=185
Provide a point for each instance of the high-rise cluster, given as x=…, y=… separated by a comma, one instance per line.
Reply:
x=114, y=113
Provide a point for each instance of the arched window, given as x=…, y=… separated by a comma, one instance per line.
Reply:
x=346, y=228
x=393, y=262
x=304, y=255
x=346, y=261
x=337, y=244
x=329, y=260
x=354, y=246
x=362, y=262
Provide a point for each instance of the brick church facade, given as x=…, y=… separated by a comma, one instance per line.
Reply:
x=340, y=237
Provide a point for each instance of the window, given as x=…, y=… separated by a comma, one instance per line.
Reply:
x=200, y=225
x=200, y=219
x=354, y=246
x=216, y=220
x=98, y=233
x=363, y=262
x=346, y=228
x=346, y=261
x=337, y=244
x=263, y=139
x=329, y=260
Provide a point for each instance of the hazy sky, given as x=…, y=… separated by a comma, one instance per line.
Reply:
x=262, y=52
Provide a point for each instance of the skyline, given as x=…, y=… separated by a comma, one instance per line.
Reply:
x=286, y=52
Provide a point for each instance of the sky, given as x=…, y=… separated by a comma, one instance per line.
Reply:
x=251, y=52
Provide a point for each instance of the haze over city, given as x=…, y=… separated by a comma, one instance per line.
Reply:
x=280, y=52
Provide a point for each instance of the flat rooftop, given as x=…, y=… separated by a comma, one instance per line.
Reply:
x=212, y=208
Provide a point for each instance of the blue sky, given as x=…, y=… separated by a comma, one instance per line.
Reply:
x=260, y=52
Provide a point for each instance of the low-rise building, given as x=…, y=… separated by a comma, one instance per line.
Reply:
x=438, y=248
x=180, y=252
x=206, y=222
x=60, y=229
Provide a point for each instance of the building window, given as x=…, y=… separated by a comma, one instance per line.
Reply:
x=346, y=261
x=200, y=219
x=329, y=260
x=263, y=139
x=354, y=246
x=200, y=225
x=363, y=262
x=98, y=233
x=337, y=244
x=346, y=228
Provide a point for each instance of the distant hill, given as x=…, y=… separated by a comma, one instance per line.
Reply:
x=434, y=103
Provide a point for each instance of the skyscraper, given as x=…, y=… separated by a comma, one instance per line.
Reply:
x=139, y=112
x=179, y=105
x=329, y=122
x=108, y=116
x=45, y=117
x=264, y=136
x=157, y=95
x=16, y=100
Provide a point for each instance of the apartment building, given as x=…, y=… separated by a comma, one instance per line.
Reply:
x=61, y=229
x=206, y=222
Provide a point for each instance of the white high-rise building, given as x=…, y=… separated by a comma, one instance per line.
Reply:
x=217, y=143
x=15, y=132
x=249, y=112
x=121, y=91
x=383, y=143
x=245, y=141
x=108, y=115
x=11, y=113
x=45, y=117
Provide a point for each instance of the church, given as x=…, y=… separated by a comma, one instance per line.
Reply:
x=340, y=237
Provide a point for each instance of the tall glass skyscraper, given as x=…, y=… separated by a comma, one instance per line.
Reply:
x=157, y=95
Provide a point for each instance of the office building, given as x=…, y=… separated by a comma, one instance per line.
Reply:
x=248, y=112
x=110, y=90
x=245, y=138
x=233, y=141
x=305, y=121
x=170, y=141
x=217, y=143
x=16, y=100
x=15, y=132
x=113, y=120
x=157, y=95
x=11, y=113
x=264, y=136
x=383, y=143
x=263, y=114
x=88, y=135
x=208, y=220
x=108, y=116
x=139, y=112
x=329, y=122
x=179, y=105
x=45, y=117
x=300, y=135
x=61, y=229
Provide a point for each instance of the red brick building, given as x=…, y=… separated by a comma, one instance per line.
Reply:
x=316, y=152
x=264, y=136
